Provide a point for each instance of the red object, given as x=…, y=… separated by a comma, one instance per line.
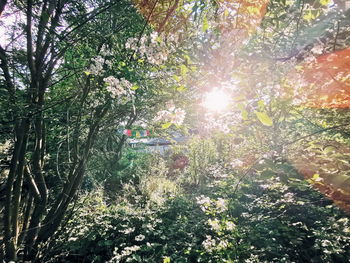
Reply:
x=326, y=80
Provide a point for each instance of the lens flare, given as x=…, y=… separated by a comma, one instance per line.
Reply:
x=216, y=100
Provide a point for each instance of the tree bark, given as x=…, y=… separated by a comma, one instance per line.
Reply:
x=9, y=220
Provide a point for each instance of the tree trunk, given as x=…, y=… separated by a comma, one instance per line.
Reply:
x=11, y=210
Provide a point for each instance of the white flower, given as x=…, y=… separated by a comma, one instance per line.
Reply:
x=148, y=47
x=222, y=244
x=127, y=251
x=214, y=224
x=204, y=202
x=173, y=37
x=140, y=237
x=230, y=225
x=149, y=227
x=128, y=230
x=221, y=205
x=118, y=88
x=105, y=51
x=236, y=163
x=131, y=43
x=158, y=221
x=288, y=197
x=96, y=67
x=143, y=39
x=209, y=243
x=154, y=37
x=172, y=115
x=108, y=63
x=142, y=50
x=317, y=50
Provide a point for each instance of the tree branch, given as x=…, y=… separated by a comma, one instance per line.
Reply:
x=317, y=132
x=30, y=58
x=169, y=13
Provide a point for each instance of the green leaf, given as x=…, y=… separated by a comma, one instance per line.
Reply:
x=308, y=16
x=299, y=68
x=264, y=118
x=205, y=24
x=188, y=59
x=261, y=104
x=193, y=68
x=325, y=2
x=177, y=78
x=244, y=112
x=311, y=15
x=166, y=125
x=226, y=13
x=181, y=88
x=329, y=149
x=245, y=115
x=183, y=70
x=135, y=87
x=315, y=177
x=253, y=10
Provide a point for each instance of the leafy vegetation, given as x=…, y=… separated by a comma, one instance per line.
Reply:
x=246, y=155
x=266, y=220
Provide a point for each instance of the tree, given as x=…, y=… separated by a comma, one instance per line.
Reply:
x=52, y=31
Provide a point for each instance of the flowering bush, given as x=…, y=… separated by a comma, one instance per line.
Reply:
x=153, y=48
x=118, y=88
x=265, y=220
x=171, y=115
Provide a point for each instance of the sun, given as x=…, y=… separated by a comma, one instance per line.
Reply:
x=216, y=100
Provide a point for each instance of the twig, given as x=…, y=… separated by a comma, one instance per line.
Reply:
x=144, y=27
x=317, y=132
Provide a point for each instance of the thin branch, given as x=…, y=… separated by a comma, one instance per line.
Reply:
x=5, y=68
x=169, y=13
x=32, y=184
x=40, y=110
x=336, y=36
x=89, y=18
x=317, y=132
x=29, y=37
x=144, y=27
x=44, y=19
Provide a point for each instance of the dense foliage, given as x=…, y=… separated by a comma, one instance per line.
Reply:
x=252, y=96
x=268, y=219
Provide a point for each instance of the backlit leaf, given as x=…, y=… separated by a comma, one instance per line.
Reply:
x=205, y=24
x=183, y=70
x=181, y=88
x=177, y=78
x=166, y=125
x=325, y=2
x=264, y=118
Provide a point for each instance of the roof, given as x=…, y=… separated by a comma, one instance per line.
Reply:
x=159, y=141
